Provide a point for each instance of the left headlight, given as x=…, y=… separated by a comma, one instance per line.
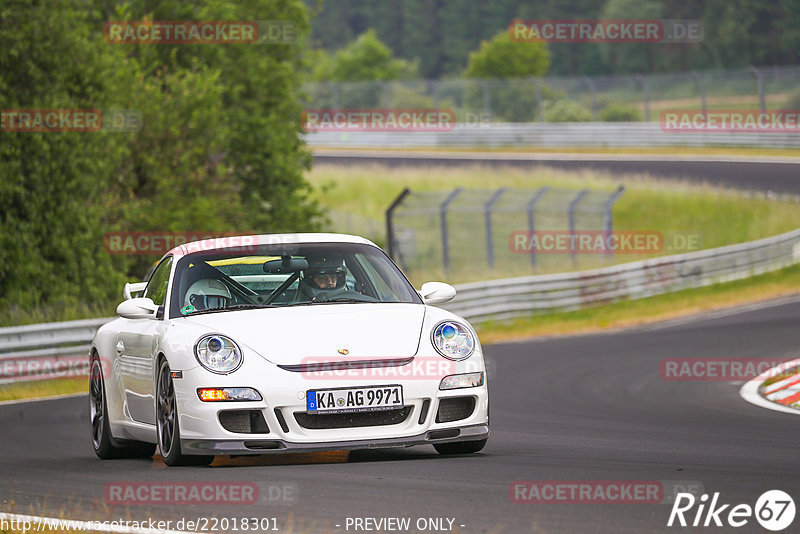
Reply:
x=453, y=340
x=219, y=354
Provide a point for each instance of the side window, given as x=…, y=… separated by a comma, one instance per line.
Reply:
x=157, y=286
x=383, y=289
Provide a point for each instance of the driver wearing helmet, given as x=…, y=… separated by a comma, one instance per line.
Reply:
x=324, y=278
x=208, y=294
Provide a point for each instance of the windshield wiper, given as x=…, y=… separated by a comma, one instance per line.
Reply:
x=234, y=307
x=338, y=300
x=345, y=299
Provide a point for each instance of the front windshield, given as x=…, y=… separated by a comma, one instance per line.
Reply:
x=308, y=274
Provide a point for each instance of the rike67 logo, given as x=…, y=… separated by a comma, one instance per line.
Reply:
x=774, y=510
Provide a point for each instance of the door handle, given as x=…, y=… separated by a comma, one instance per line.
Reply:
x=120, y=347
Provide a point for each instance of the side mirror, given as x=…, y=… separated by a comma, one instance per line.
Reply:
x=139, y=308
x=436, y=292
x=130, y=289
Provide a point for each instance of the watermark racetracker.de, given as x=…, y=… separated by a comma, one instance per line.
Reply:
x=32, y=120
x=200, y=32
x=378, y=119
x=49, y=367
x=601, y=491
x=203, y=493
x=731, y=120
x=717, y=369
x=601, y=242
x=159, y=243
x=606, y=31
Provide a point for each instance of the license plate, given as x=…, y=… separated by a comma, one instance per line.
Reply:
x=342, y=400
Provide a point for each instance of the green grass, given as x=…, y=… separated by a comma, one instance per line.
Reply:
x=43, y=388
x=637, y=312
x=716, y=217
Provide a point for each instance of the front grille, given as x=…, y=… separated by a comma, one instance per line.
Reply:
x=281, y=420
x=243, y=421
x=455, y=409
x=351, y=420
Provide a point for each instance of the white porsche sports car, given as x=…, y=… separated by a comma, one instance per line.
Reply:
x=284, y=343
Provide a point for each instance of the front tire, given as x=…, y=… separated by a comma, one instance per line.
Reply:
x=460, y=447
x=169, y=433
x=104, y=445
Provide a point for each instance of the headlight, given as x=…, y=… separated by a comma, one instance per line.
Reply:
x=218, y=354
x=228, y=394
x=453, y=340
x=467, y=380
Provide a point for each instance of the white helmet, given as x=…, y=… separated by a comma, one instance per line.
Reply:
x=208, y=294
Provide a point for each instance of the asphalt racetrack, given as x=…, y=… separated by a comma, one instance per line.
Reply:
x=592, y=407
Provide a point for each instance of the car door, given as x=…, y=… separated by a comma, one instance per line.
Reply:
x=136, y=346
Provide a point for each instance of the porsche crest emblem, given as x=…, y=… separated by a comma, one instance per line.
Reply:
x=343, y=352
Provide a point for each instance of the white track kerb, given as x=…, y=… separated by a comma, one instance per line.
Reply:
x=750, y=391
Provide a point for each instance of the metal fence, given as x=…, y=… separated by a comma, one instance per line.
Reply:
x=467, y=231
x=571, y=99
x=508, y=298
x=555, y=134
x=514, y=297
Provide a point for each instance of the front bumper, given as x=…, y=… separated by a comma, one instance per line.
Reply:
x=283, y=407
x=271, y=446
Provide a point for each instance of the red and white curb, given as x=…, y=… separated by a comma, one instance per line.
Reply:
x=781, y=396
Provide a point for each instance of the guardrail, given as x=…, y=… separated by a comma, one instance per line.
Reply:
x=496, y=299
x=513, y=297
x=57, y=342
x=553, y=134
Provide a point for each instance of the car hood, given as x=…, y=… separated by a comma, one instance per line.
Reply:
x=316, y=333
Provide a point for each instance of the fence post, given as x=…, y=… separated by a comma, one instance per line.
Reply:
x=762, y=103
x=538, y=92
x=571, y=214
x=487, y=209
x=608, y=221
x=701, y=88
x=433, y=88
x=531, y=219
x=593, y=92
x=645, y=95
x=385, y=94
x=390, y=241
x=443, y=218
x=487, y=107
x=334, y=94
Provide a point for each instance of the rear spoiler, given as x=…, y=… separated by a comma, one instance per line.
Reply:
x=138, y=287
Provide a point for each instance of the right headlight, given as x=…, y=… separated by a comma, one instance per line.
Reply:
x=217, y=353
x=453, y=340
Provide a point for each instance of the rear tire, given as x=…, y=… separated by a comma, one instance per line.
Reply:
x=460, y=447
x=169, y=432
x=104, y=445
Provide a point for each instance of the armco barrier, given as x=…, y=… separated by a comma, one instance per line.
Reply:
x=512, y=297
x=553, y=134
x=55, y=341
x=507, y=298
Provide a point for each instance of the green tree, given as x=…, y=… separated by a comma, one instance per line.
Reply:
x=505, y=62
x=51, y=245
x=368, y=59
x=503, y=58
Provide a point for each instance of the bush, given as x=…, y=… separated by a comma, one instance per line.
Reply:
x=619, y=113
x=565, y=111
